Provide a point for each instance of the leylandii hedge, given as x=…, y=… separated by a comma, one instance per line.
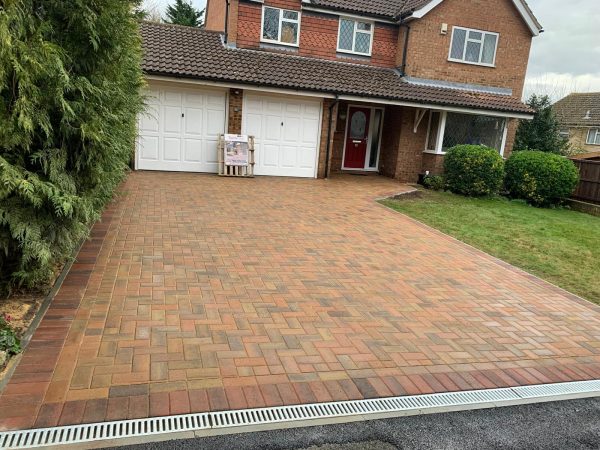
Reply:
x=541, y=178
x=474, y=170
x=70, y=82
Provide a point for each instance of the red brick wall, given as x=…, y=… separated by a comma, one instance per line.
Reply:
x=318, y=34
x=388, y=157
x=428, y=49
x=236, y=98
x=410, y=147
x=214, y=19
x=323, y=141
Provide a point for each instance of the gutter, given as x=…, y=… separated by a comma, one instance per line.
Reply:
x=182, y=78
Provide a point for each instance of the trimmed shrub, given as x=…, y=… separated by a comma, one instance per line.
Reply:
x=473, y=170
x=542, y=179
x=434, y=182
x=70, y=81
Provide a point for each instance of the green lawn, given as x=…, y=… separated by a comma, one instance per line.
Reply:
x=559, y=245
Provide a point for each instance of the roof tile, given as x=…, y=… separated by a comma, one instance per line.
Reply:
x=572, y=110
x=178, y=51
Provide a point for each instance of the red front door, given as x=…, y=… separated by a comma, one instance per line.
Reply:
x=357, y=136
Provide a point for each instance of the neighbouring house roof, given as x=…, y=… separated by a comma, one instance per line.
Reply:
x=393, y=9
x=187, y=52
x=574, y=108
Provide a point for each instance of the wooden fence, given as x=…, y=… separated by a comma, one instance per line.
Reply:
x=588, y=188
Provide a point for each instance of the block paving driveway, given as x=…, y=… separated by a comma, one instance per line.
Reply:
x=200, y=293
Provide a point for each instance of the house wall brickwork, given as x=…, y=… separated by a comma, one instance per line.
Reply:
x=318, y=35
x=236, y=100
x=388, y=156
x=330, y=110
x=428, y=48
x=410, y=148
x=214, y=16
x=578, y=139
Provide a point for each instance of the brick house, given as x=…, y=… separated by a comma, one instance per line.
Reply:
x=579, y=118
x=325, y=86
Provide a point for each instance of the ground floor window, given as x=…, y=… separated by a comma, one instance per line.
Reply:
x=593, y=136
x=448, y=129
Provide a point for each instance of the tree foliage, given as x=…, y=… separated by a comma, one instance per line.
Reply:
x=70, y=83
x=183, y=13
x=543, y=132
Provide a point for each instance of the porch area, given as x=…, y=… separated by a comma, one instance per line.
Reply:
x=403, y=142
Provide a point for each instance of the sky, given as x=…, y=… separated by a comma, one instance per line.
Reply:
x=565, y=58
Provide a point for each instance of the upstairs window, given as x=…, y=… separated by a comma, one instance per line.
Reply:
x=355, y=37
x=280, y=26
x=473, y=46
x=593, y=137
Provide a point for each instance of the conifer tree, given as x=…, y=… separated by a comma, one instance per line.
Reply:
x=70, y=82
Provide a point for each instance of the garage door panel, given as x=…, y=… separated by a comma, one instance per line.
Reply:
x=149, y=119
x=180, y=128
x=172, y=98
x=210, y=151
x=310, y=131
x=194, y=121
x=194, y=100
x=192, y=150
x=149, y=147
x=289, y=157
x=292, y=129
x=306, y=157
x=283, y=150
x=214, y=123
x=172, y=149
x=172, y=119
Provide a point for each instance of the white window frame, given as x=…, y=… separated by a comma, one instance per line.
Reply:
x=596, y=133
x=442, y=132
x=356, y=21
x=281, y=20
x=467, y=40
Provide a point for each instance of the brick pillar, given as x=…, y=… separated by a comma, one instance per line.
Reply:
x=410, y=148
x=236, y=97
x=510, y=137
x=323, y=140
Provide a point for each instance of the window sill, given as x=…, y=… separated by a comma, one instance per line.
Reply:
x=280, y=44
x=351, y=53
x=490, y=66
x=433, y=152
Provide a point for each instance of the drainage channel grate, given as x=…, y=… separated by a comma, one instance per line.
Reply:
x=264, y=416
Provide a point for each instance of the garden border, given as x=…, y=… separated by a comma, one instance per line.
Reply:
x=39, y=315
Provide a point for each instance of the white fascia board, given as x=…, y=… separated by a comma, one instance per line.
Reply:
x=523, y=11
x=246, y=87
x=458, y=109
x=251, y=87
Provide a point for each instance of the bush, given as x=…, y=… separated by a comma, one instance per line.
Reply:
x=9, y=342
x=540, y=178
x=473, y=170
x=70, y=82
x=434, y=182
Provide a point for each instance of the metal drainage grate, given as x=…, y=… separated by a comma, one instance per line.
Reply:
x=76, y=434
x=363, y=409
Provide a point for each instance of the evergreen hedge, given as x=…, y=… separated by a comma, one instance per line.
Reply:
x=540, y=178
x=473, y=170
x=70, y=83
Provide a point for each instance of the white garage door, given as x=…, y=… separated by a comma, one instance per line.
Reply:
x=286, y=134
x=180, y=130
